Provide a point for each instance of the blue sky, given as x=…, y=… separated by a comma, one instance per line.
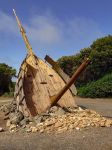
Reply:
x=54, y=27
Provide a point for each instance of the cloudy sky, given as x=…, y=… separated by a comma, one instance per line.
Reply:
x=54, y=27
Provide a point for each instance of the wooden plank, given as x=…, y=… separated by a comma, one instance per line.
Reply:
x=36, y=97
x=64, y=76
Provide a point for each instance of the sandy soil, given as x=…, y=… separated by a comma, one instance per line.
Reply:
x=86, y=139
x=102, y=106
x=5, y=100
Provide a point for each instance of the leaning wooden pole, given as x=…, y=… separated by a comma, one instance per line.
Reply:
x=73, y=79
x=23, y=33
x=31, y=58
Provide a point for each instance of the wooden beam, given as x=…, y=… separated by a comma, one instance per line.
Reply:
x=63, y=75
x=72, y=80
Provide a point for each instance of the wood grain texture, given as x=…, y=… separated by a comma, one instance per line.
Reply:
x=36, y=87
x=63, y=75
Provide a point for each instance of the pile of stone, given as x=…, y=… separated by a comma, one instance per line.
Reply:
x=57, y=120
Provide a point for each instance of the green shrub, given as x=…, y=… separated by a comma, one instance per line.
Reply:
x=100, y=53
x=99, y=88
x=6, y=75
x=10, y=94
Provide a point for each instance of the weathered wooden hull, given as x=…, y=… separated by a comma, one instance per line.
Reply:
x=35, y=89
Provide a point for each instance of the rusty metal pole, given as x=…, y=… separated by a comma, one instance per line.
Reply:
x=73, y=79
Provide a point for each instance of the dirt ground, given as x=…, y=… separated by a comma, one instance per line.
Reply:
x=86, y=139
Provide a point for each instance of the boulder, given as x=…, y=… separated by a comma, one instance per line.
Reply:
x=1, y=129
x=15, y=118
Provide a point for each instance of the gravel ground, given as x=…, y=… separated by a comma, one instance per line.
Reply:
x=102, y=106
x=86, y=139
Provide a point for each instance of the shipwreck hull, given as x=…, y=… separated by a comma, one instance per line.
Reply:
x=36, y=87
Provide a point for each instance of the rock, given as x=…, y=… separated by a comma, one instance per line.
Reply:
x=50, y=122
x=77, y=128
x=60, y=130
x=1, y=108
x=45, y=116
x=1, y=129
x=13, y=108
x=5, y=108
x=8, y=123
x=58, y=124
x=58, y=120
x=92, y=124
x=12, y=127
x=15, y=118
x=53, y=109
x=6, y=117
x=38, y=119
x=6, y=113
x=42, y=130
x=31, y=119
x=28, y=130
x=88, y=124
x=67, y=110
x=80, y=109
x=39, y=124
x=34, y=129
x=60, y=111
x=102, y=124
x=42, y=117
x=24, y=122
x=71, y=126
x=108, y=123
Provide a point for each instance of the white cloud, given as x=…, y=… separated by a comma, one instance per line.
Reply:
x=47, y=31
x=82, y=29
x=7, y=23
x=44, y=30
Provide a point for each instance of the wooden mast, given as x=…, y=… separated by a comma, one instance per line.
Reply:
x=30, y=59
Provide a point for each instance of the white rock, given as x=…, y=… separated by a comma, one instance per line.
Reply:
x=8, y=123
x=28, y=130
x=33, y=129
x=12, y=127
x=41, y=131
x=80, y=109
x=77, y=128
x=1, y=129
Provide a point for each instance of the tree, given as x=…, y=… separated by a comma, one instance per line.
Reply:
x=100, y=53
x=6, y=74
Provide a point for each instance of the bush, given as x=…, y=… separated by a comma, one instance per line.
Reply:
x=6, y=75
x=97, y=89
x=10, y=94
